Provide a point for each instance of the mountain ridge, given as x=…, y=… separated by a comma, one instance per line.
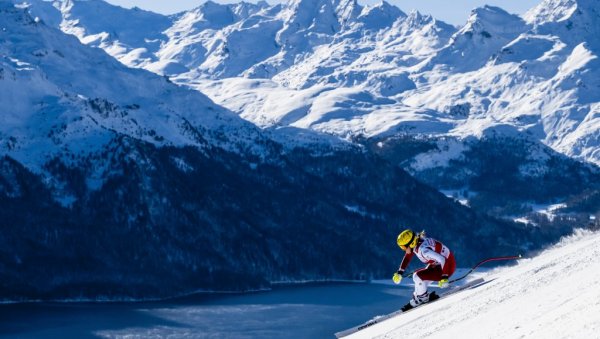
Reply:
x=404, y=66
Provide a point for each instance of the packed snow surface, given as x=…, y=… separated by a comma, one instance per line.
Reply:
x=551, y=295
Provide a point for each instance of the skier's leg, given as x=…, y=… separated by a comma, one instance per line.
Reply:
x=431, y=273
x=420, y=284
x=422, y=279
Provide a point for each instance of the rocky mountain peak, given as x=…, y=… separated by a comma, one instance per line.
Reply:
x=559, y=10
x=380, y=15
x=489, y=20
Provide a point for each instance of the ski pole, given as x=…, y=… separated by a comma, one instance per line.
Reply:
x=483, y=262
x=474, y=267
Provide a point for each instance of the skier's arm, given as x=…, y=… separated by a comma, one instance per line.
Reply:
x=430, y=254
x=405, y=262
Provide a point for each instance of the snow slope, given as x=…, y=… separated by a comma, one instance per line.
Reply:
x=551, y=295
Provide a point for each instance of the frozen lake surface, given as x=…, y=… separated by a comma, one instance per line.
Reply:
x=305, y=311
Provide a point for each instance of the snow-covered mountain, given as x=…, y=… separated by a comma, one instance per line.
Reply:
x=544, y=296
x=117, y=182
x=56, y=93
x=140, y=176
x=432, y=96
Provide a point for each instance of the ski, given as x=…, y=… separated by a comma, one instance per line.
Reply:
x=381, y=318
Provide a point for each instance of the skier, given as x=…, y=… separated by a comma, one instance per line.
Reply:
x=440, y=265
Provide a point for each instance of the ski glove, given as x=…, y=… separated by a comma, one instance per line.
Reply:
x=397, y=278
x=444, y=282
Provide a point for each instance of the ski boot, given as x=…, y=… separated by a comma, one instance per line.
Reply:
x=420, y=299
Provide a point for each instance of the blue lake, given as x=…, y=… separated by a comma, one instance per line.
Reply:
x=301, y=311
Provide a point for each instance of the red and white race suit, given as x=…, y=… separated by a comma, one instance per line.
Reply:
x=440, y=262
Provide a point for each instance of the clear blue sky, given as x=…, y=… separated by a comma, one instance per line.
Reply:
x=452, y=11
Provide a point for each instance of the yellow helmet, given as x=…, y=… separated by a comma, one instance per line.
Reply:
x=407, y=238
